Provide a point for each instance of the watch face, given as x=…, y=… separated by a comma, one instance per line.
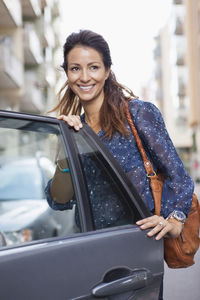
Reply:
x=179, y=215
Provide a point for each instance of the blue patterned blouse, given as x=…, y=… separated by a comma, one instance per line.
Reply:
x=178, y=187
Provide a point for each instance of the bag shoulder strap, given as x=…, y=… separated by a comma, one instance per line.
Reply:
x=147, y=164
x=155, y=184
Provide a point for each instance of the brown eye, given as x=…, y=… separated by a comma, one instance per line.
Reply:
x=94, y=67
x=74, y=69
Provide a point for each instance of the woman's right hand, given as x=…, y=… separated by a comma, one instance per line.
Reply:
x=73, y=121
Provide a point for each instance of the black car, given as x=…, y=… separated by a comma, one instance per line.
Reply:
x=114, y=262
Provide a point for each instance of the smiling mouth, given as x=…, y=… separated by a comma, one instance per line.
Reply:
x=86, y=88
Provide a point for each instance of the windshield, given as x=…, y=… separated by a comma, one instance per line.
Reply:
x=20, y=181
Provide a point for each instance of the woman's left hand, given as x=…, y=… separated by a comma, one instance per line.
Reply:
x=161, y=227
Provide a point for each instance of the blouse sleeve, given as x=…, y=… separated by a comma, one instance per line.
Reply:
x=178, y=187
x=55, y=205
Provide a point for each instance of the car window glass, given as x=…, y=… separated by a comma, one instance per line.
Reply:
x=29, y=152
x=13, y=174
x=109, y=205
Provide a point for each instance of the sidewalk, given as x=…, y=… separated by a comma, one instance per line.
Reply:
x=183, y=284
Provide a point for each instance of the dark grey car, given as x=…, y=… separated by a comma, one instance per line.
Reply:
x=115, y=262
x=24, y=212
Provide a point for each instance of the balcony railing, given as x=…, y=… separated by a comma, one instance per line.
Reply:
x=158, y=73
x=56, y=28
x=50, y=76
x=32, y=47
x=179, y=30
x=181, y=90
x=157, y=52
x=31, y=8
x=48, y=36
x=180, y=61
x=11, y=69
x=46, y=26
x=10, y=13
x=178, y=2
x=56, y=9
x=159, y=94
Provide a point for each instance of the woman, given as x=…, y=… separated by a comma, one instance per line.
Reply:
x=92, y=86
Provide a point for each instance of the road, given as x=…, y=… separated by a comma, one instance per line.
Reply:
x=183, y=284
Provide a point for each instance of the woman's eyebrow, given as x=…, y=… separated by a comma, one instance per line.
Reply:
x=90, y=63
x=73, y=63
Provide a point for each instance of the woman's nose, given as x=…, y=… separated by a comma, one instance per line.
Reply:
x=85, y=76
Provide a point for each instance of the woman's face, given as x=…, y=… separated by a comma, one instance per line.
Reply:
x=86, y=73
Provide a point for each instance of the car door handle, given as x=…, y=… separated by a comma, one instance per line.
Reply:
x=137, y=279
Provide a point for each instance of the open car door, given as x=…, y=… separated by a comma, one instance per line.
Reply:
x=44, y=253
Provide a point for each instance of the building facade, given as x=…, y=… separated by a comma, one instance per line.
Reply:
x=192, y=29
x=176, y=73
x=29, y=40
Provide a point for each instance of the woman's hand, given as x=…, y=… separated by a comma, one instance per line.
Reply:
x=73, y=121
x=161, y=227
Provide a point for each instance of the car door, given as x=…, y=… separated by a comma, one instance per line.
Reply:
x=83, y=260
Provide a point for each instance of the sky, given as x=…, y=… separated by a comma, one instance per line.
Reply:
x=129, y=27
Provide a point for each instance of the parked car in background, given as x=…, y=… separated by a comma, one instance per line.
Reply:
x=42, y=253
x=24, y=212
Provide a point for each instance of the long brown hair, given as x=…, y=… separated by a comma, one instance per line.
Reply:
x=112, y=112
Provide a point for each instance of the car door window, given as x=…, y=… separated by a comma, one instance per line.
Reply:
x=109, y=205
x=28, y=154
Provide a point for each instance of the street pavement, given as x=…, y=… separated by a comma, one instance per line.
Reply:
x=183, y=284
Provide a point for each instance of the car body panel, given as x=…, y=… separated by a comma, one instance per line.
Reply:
x=71, y=268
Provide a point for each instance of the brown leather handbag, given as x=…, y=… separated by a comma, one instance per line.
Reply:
x=178, y=252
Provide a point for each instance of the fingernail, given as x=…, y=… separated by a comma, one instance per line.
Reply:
x=80, y=125
x=150, y=234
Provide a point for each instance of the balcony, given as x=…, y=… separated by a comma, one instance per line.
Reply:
x=32, y=47
x=10, y=13
x=11, y=69
x=56, y=9
x=179, y=30
x=48, y=36
x=56, y=28
x=31, y=8
x=157, y=52
x=182, y=119
x=50, y=76
x=181, y=90
x=177, y=2
x=47, y=28
x=159, y=94
x=180, y=61
x=32, y=100
x=158, y=73
x=45, y=3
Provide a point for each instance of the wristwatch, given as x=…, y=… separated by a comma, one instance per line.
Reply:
x=178, y=215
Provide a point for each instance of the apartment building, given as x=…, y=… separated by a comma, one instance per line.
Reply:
x=29, y=40
x=176, y=75
x=192, y=30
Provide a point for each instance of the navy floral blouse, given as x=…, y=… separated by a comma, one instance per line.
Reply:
x=178, y=187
